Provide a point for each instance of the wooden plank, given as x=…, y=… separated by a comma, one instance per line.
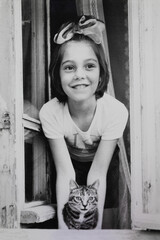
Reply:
x=135, y=107
x=8, y=207
x=94, y=235
x=35, y=234
x=31, y=123
x=37, y=214
x=13, y=234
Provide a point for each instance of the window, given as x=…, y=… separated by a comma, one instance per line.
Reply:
x=144, y=66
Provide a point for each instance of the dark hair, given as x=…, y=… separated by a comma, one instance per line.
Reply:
x=56, y=87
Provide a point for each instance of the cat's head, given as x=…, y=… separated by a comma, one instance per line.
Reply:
x=83, y=198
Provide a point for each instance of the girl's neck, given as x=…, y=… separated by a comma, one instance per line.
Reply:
x=82, y=113
x=82, y=109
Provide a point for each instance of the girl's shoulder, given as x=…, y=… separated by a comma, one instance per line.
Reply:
x=110, y=100
x=52, y=107
x=110, y=104
x=114, y=117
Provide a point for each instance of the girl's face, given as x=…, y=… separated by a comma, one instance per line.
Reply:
x=79, y=71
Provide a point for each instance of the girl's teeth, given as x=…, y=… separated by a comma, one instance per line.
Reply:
x=80, y=86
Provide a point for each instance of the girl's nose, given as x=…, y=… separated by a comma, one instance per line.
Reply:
x=79, y=73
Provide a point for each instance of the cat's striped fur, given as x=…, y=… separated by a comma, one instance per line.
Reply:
x=81, y=212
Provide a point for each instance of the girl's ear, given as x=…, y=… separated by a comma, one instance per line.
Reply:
x=73, y=184
x=95, y=184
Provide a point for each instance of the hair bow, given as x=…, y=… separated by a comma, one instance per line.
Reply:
x=92, y=28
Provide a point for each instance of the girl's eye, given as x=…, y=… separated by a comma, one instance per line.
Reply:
x=90, y=66
x=69, y=68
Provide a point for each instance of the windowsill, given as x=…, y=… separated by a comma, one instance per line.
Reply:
x=41, y=234
x=38, y=214
x=34, y=204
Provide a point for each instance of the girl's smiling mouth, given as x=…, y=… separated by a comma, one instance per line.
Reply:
x=80, y=86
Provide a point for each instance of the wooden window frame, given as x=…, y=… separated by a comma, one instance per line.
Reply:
x=36, y=211
x=37, y=73
x=144, y=59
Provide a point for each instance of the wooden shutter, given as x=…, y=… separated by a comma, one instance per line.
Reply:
x=144, y=36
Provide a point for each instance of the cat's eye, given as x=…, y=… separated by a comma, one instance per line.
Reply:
x=78, y=198
x=91, y=198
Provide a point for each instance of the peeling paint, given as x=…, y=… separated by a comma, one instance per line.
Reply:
x=8, y=211
x=146, y=196
x=11, y=216
x=4, y=217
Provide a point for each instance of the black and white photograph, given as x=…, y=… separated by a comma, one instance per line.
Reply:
x=79, y=119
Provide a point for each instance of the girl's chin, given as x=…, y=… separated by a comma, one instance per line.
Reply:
x=80, y=99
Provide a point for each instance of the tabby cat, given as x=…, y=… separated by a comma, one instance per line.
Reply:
x=81, y=212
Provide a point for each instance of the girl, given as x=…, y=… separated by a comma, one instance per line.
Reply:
x=82, y=122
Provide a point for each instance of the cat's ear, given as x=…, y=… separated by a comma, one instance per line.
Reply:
x=95, y=184
x=73, y=184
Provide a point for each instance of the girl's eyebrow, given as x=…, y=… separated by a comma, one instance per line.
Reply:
x=86, y=60
x=91, y=59
x=67, y=61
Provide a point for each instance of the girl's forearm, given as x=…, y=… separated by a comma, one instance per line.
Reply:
x=62, y=192
x=65, y=172
x=99, y=169
x=92, y=177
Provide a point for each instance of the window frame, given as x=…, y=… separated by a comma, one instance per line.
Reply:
x=39, y=59
x=143, y=48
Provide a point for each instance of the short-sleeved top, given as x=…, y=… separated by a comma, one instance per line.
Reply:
x=108, y=123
